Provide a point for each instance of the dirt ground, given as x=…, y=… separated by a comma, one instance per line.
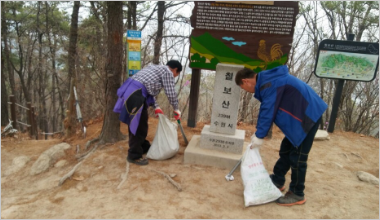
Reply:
x=332, y=187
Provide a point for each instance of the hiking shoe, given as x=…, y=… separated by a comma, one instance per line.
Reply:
x=281, y=188
x=291, y=199
x=141, y=161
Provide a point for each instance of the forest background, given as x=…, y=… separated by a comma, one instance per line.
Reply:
x=49, y=47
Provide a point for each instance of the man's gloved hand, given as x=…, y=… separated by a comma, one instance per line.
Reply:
x=177, y=114
x=158, y=111
x=256, y=142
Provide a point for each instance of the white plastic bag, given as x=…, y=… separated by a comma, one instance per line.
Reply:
x=258, y=187
x=165, y=144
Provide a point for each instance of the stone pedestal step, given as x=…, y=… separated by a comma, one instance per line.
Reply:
x=222, y=142
x=196, y=155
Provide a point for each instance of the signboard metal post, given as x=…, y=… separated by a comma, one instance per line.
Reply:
x=337, y=96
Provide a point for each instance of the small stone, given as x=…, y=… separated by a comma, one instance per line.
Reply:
x=60, y=163
x=367, y=177
x=78, y=178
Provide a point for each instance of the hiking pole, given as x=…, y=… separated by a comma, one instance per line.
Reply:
x=79, y=114
x=183, y=133
x=229, y=176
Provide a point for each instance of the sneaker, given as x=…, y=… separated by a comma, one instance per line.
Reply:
x=281, y=188
x=291, y=199
x=141, y=161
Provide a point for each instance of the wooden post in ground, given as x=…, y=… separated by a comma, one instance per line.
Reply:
x=34, y=124
x=194, y=95
x=29, y=113
x=13, y=111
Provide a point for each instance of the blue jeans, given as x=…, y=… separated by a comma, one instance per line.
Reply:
x=295, y=159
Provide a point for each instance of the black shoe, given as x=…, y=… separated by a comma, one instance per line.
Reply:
x=145, y=146
x=141, y=161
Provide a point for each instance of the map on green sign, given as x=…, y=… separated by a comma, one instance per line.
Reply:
x=343, y=65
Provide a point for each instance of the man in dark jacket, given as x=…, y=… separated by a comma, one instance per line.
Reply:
x=296, y=109
x=135, y=96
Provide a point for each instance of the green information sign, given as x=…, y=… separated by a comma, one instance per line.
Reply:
x=347, y=60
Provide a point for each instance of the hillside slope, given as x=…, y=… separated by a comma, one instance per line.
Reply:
x=332, y=188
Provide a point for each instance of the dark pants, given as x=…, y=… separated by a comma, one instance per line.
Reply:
x=138, y=145
x=295, y=159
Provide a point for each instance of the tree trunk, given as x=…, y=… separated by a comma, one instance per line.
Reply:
x=41, y=78
x=69, y=122
x=4, y=96
x=52, y=51
x=134, y=8
x=111, y=125
x=20, y=71
x=4, y=36
x=61, y=102
x=160, y=28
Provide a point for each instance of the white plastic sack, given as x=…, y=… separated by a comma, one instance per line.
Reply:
x=165, y=144
x=258, y=187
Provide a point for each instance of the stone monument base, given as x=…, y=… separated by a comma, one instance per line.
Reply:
x=194, y=154
x=230, y=143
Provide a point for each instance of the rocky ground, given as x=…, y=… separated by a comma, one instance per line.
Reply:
x=104, y=187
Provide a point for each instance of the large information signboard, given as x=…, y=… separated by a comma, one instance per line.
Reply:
x=257, y=35
x=134, y=51
x=347, y=60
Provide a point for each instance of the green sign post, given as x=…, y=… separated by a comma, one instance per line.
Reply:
x=346, y=60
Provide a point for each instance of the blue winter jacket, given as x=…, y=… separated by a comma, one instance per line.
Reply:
x=288, y=102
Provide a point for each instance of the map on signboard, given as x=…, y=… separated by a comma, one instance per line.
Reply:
x=336, y=64
x=348, y=60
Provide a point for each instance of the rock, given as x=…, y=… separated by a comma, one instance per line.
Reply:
x=57, y=151
x=48, y=158
x=20, y=161
x=17, y=164
x=367, y=177
x=321, y=135
x=41, y=164
x=60, y=163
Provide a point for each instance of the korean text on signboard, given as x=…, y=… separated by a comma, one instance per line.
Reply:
x=134, y=51
x=256, y=36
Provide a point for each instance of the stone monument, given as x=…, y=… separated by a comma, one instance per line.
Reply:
x=220, y=143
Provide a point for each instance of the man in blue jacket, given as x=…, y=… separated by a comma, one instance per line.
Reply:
x=296, y=109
